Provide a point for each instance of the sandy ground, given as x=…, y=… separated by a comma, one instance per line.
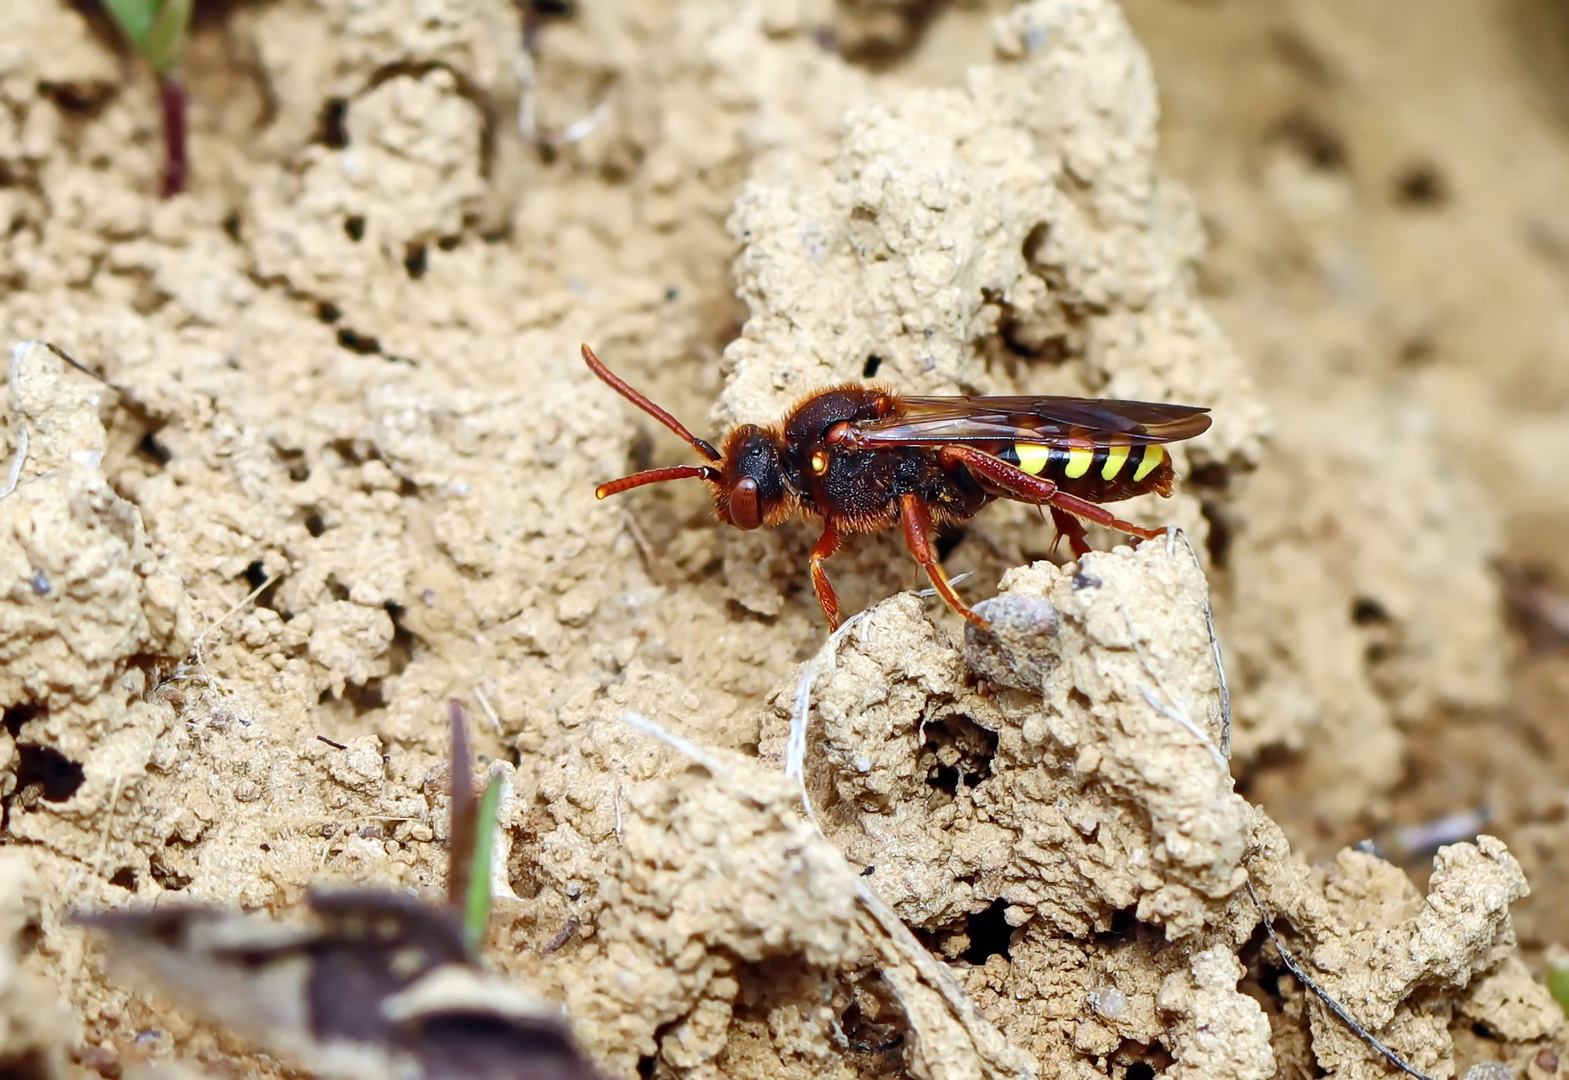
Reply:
x=340, y=465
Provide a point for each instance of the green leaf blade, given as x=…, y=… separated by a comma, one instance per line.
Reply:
x=1558, y=984
x=156, y=28
x=476, y=907
x=166, y=39
x=136, y=18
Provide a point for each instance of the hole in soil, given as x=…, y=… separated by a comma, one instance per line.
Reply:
x=1420, y=186
x=28, y=1065
x=366, y=698
x=989, y=933
x=56, y=774
x=1266, y=767
x=332, y=131
x=150, y=449
x=337, y=589
x=878, y=42
x=645, y=1066
x=255, y=574
x=125, y=878
x=873, y=1022
x=641, y=450
x=294, y=461
x=231, y=225
x=949, y=539
x=414, y=263
x=1140, y=1070
x=1218, y=542
x=328, y=312
x=17, y=715
x=1212, y=475
x=314, y=524
x=355, y=342
x=523, y=872
x=167, y=879
x=1313, y=139
x=1123, y=922
x=869, y=369
x=1035, y=243
x=957, y=750
x=348, y=452
x=354, y=227
x=1026, y=341
x=74, y=99
x=400, y=654
x=1366, y=611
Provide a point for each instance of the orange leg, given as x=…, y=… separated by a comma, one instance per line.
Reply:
x=1071, y=529
x=1011, y=482
x=827, y=599
x=922, y=541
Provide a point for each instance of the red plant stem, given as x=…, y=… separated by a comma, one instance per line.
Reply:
x=171, y=95
x=463, y=827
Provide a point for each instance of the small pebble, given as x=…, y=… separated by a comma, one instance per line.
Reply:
x=1109, y=1003
x=1490, y=1070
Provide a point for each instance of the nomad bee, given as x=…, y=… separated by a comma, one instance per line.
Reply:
x=863, y=458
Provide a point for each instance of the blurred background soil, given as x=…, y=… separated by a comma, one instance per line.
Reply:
x=348, y=385
x=1384, y=191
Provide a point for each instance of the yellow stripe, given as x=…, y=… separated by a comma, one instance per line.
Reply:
x=1153, y=456
x=1080, y=458
x=1116, y=454
x=1032, y=458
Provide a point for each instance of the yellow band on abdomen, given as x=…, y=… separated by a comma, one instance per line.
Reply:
x=1116, y=454
x=1032, y=458
x=1079, y=460
x=1153, y=456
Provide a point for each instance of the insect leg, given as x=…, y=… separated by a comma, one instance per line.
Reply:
x=1000, y=478
x=827, y=599
x=921, y=538
x=1100, y=516
x=1071, y=529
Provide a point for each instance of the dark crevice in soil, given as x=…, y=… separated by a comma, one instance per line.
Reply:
x=957, y=750
x=989, y=933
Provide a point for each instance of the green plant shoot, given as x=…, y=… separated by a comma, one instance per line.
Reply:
x=157, y=29
x=1558, y=984
x=476, y=906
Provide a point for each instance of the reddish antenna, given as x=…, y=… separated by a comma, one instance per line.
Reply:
x=620, y=386
x=656, y=476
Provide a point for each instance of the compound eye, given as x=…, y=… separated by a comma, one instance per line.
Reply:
x=744, y=512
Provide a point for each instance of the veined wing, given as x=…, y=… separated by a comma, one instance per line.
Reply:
x=1045, y=420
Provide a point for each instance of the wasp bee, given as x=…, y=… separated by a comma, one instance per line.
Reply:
x=862, y=459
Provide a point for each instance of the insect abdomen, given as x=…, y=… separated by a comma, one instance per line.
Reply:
x=1102, y=473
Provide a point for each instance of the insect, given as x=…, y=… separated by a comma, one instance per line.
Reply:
x=862, y=459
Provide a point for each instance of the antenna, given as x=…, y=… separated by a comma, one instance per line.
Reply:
x=620, y=386
x=656, y=476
